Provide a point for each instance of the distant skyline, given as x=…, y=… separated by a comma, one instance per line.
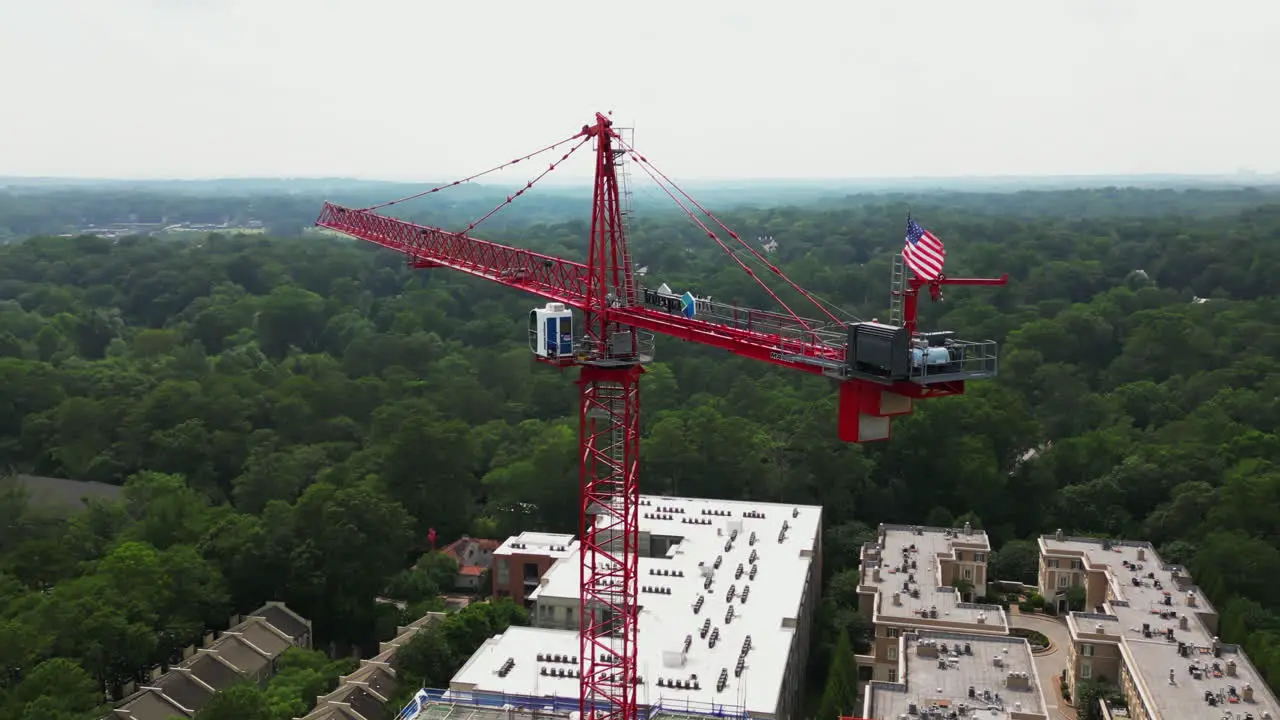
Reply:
x=718, y=91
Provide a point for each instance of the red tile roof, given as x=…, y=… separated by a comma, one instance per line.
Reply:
x=457, y=547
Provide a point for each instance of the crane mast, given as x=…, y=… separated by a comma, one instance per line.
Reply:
x=881, y=368
x=609, y=472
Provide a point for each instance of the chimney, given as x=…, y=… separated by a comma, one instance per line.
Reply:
x=968, y=528
x=1231, y=668
x=1246, y=693
x=875, y=574
x=1142, y=554
x=897, y=599
x=1183, y=623
x=1191, y=598
x=982, y=618
x=1058, y=535
x=1099, y=629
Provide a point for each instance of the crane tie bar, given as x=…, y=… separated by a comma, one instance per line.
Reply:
x=469, y=178
x=527, y=185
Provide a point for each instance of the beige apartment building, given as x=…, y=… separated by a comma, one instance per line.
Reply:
x=956, y=675
x=916, y=578
x=1147, y=628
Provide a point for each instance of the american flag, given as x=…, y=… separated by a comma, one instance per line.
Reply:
x=923, y=252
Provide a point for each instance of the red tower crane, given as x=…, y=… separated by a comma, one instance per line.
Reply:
x=881, y=367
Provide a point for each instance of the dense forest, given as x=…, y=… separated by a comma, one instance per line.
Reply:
x=285, y=208
x=290, y=416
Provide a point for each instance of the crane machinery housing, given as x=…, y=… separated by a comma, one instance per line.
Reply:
x=881, y=368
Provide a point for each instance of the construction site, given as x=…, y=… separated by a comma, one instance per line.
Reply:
x=600, y=320
x=725, y=591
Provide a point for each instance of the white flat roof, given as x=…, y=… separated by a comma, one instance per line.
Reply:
x=552, y=545
x=934, y=678
x=1147, y=592
x=700, y=530
x=920, y=589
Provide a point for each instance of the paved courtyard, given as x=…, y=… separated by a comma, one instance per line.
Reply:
x=1049, y=666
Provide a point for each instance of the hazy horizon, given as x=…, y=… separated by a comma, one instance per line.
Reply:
x=1244, y=177
x=399, y=91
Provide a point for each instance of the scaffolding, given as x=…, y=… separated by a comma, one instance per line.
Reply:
x=460, y=705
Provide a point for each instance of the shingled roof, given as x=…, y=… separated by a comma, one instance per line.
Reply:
x=362, y=694
x=246, y=651
x=63, y=497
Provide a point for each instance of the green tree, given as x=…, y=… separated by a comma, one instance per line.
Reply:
x=1087, y=696
x=56, y=688
x=243, y=701
x=1016, y=560
x=301, y=677
x=348, y=543
x=426, y=660
x=840, y=697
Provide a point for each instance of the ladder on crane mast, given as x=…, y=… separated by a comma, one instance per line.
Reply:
x=897, y=291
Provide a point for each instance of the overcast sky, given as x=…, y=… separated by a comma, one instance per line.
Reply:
x=434, y=89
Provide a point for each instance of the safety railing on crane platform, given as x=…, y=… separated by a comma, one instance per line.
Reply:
x=794, y=335
x=956, y=360
x=651, y=709
x=620, y=349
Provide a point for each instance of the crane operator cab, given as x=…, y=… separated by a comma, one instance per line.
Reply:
x=551, y=331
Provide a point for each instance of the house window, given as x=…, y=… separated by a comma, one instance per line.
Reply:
x=893, y=675
x=892, y=632
x=1086, y=670
x=1051, y=563
x=968, y=574
x=1086, y=649
x=503, y=572
x=1076, y=565
x=979, y=557
x=1063, y=580
x=893, y=652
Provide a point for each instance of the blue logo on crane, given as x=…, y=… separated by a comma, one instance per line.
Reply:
x=687, y=304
